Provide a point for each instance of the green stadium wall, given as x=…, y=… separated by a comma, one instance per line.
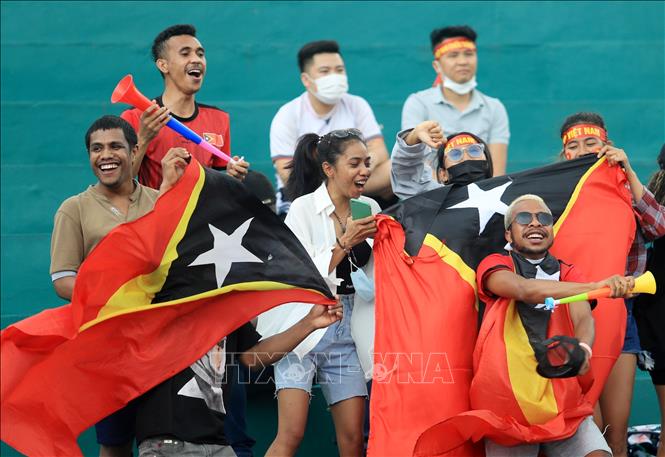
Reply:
x=544, y=60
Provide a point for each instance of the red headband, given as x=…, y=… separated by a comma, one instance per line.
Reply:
x=453, y=44
x=583, y=131
x=460, y=140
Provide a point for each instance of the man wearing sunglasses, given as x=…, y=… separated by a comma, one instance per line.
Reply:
x=515, y=284
x=461, y=159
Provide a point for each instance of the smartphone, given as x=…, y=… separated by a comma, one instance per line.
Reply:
x=360, y=209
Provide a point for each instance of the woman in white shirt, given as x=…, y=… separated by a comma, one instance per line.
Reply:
x=327, y=172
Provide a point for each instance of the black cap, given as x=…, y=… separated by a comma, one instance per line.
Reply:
x=259, y=185
x=559, y=357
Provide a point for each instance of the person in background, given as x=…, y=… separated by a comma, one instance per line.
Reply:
x=650, y=309
x=454, y=102
x=326, y=105
x=462, y=159
x=181, y=61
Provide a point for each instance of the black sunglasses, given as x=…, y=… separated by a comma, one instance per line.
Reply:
x=525, y=218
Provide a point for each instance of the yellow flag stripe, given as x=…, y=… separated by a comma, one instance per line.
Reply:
x=576, y=193
x=534, y=394
x=238, y=287
x=454, y=260
x=137, y=293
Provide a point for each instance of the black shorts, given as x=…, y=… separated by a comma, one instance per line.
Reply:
x=118, y=428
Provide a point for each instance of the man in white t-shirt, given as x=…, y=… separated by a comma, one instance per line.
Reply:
x=323, y=107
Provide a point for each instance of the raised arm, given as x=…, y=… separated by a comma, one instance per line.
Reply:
x=152, y=120
x=410, y=175
x=272, y=349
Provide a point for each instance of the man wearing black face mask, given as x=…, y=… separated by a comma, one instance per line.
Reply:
x=549, y=349
x=463, y=160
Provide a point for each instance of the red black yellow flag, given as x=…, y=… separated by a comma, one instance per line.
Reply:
x=151, y=298
x=426, y=310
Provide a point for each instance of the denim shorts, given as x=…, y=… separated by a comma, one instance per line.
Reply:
x=334, y=360
x=631, y=342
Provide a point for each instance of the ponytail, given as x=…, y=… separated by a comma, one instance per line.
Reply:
x=311, y=152
x=306, y=173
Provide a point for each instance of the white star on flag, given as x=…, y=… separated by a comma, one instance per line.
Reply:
x=541, y=274
x=487, y=202
x=226, y=250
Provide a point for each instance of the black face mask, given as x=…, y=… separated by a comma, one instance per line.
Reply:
x=559, y=357
x=467, y=172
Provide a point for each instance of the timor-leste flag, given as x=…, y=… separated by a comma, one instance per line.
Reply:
x=151, y=298
x=426, y=309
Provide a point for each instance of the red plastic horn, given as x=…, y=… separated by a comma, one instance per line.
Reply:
x=126, y=92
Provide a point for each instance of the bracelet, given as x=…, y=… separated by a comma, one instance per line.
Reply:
x=344, y=248
x=587, y=348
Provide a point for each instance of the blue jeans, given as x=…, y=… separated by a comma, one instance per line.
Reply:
x=631, y=342
x=334, y=359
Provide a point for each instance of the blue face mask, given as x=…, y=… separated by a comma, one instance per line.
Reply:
x=362, y=284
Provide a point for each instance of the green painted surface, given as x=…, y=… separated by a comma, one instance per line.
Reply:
x=544, y=60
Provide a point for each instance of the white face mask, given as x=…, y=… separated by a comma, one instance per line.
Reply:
x=363, y=286
x=462, y=89
x=331, y=88
x=458, y=88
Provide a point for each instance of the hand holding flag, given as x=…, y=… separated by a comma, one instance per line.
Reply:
x=153, y=296
x=322, y=316
x=444, y=234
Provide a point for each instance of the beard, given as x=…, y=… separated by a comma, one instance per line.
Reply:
x=520, y=249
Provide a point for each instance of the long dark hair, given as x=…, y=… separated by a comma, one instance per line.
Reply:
x=440, y=154
x=310, y=154
x=657, y=181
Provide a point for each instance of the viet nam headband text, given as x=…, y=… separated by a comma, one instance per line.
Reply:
x=584, y=130
x=453, y=44
x=459, y=140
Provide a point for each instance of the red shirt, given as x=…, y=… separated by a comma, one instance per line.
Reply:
x=208, y=121
x=495, y=262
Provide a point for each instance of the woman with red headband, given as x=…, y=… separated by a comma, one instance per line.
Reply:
x=582, y=134
x=461, y=158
